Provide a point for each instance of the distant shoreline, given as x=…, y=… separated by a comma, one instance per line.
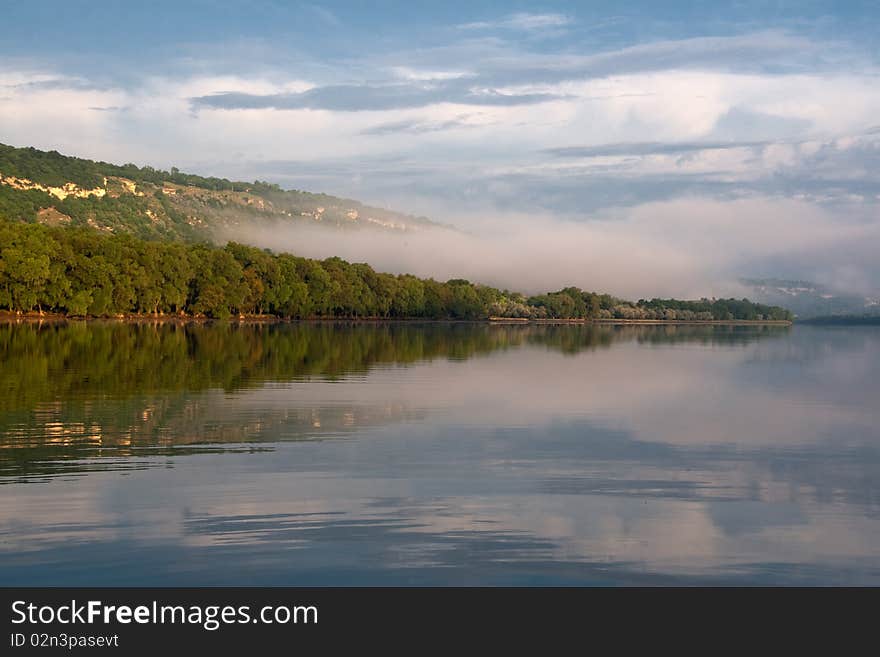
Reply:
x=6, y=316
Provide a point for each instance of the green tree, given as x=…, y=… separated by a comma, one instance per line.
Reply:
x=26, y=254
x=218, y=288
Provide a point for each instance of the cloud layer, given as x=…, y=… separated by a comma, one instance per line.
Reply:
x=542, y=121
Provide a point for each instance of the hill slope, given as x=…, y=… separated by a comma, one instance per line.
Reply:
x=54, y=189
x=806, y=299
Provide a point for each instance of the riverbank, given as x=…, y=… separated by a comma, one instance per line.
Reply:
x=6, y=316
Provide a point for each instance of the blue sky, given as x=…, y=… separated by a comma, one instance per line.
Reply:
x=750, y=128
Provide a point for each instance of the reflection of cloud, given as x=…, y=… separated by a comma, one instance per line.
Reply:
x=739, y=462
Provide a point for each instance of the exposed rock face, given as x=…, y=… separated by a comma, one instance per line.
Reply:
x=61, y=193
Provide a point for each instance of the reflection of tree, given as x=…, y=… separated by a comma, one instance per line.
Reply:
x=76, y=390
x=135, y=433
x=708, y=335
x=48, y=362
x=58, y=361
x=575, y=338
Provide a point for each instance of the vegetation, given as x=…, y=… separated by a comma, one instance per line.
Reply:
x=51, y=168
x=157, y=204
x=78, y=271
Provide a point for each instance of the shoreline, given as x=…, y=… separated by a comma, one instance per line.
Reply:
x=644, y=322
x=8, y=317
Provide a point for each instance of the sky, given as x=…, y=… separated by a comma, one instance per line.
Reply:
x=685, y=143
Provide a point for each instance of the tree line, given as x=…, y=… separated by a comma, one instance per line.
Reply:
x=81, y=271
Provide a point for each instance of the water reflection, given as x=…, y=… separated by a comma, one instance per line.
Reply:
x=74, y=392
x=460, y=454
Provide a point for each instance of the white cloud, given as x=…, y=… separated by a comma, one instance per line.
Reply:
x=663, y=107
x=521, y=21
x=409, y=73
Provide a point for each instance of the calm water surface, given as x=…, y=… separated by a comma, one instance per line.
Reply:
x=438, y=454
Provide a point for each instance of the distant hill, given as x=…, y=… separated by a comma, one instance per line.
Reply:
x=808, y=300
x=844, y=320
x=54, y=189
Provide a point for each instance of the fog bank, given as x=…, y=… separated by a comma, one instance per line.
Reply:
x=686, y=248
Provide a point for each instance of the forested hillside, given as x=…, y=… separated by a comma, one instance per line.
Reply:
x=53, y=189
x=81, y=271
x=92, y=238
